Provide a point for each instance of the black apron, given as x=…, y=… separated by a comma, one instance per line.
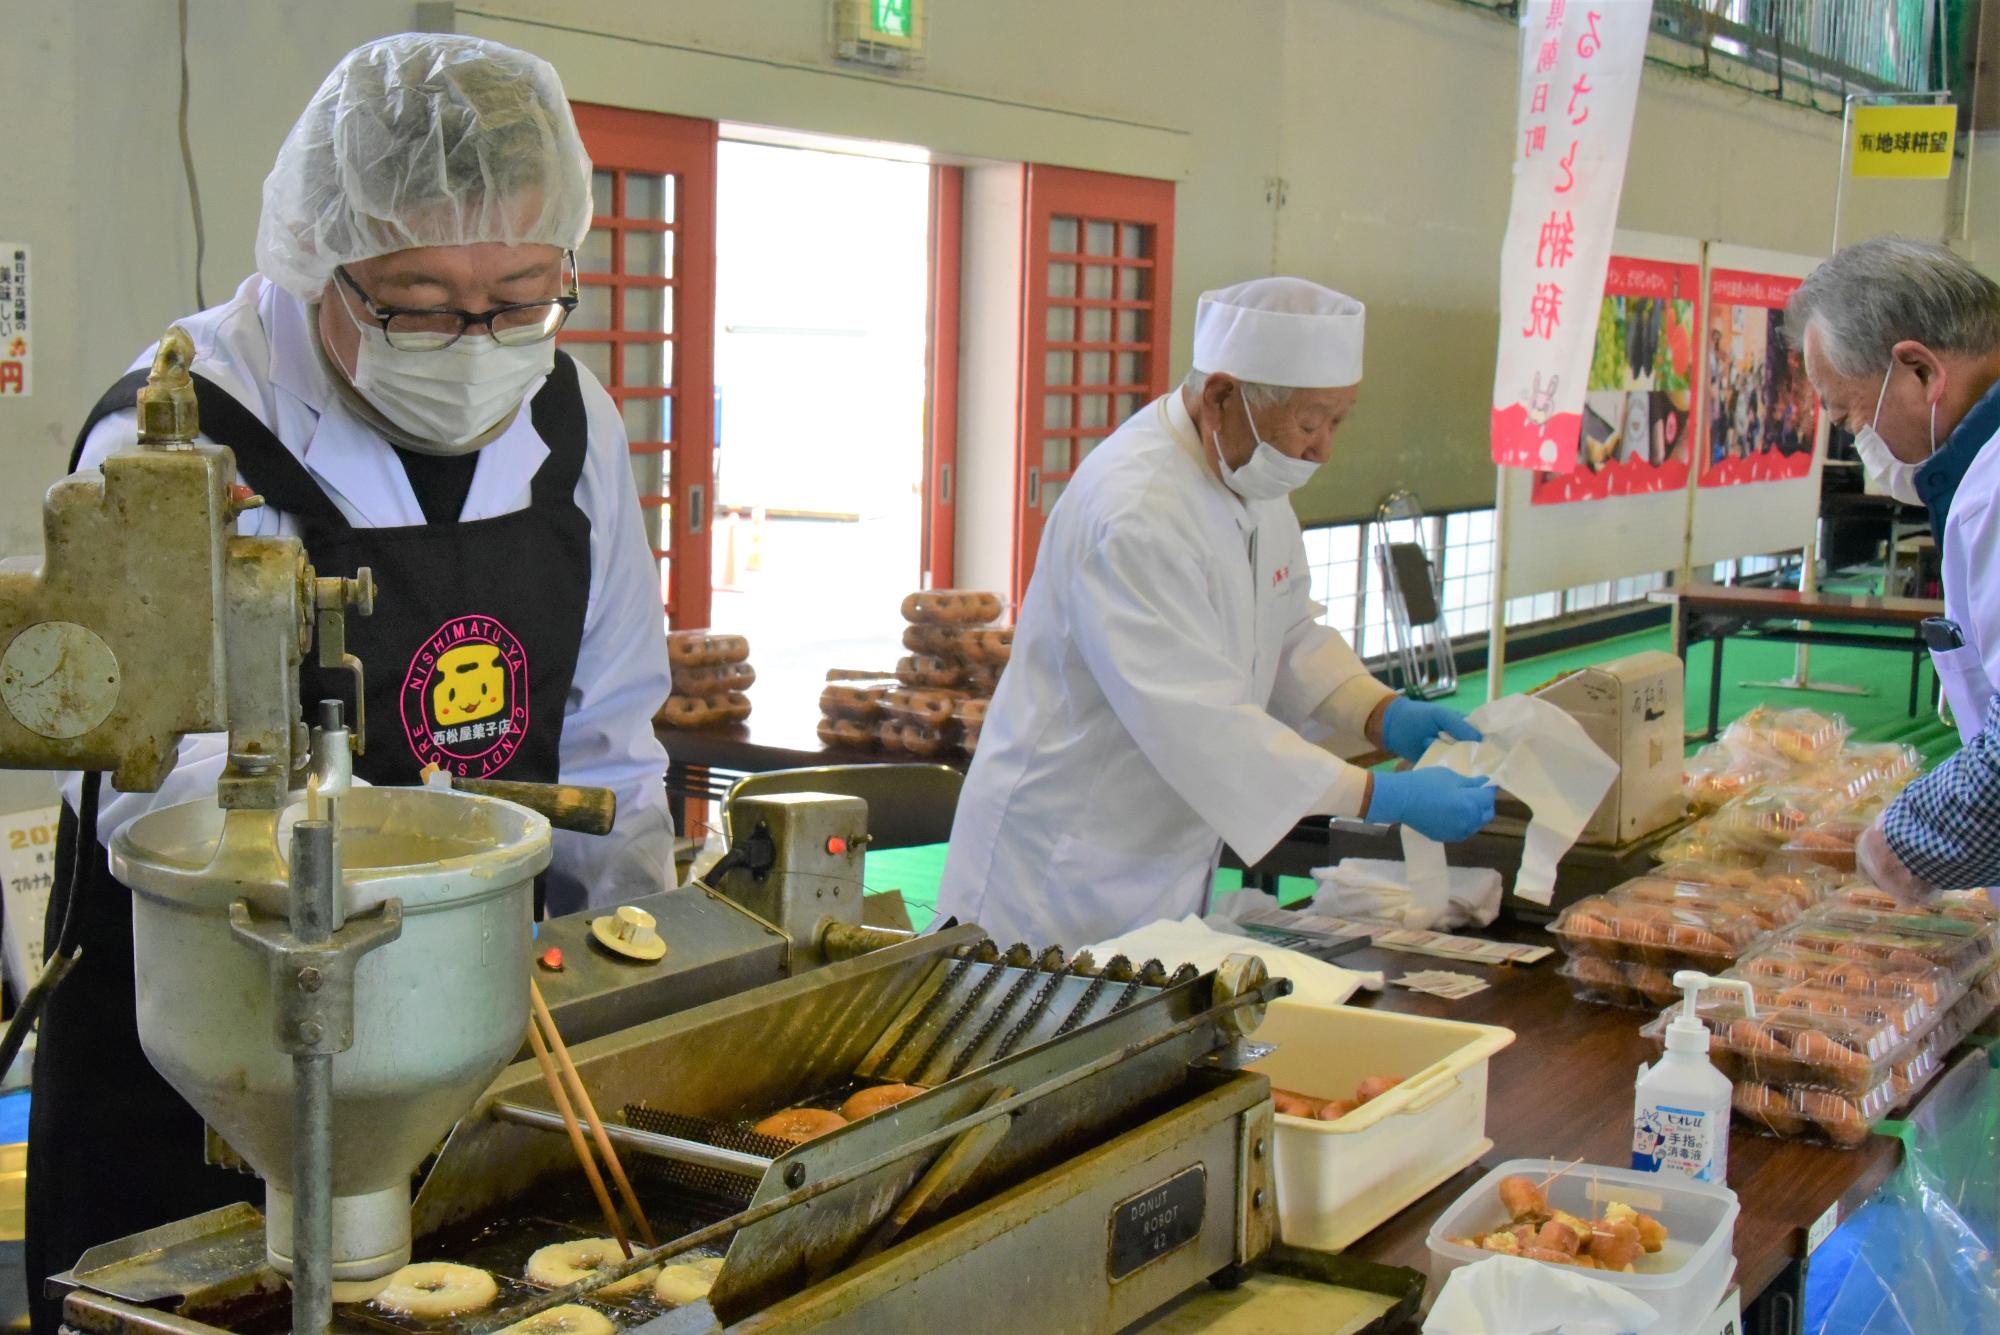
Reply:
x=468, y=658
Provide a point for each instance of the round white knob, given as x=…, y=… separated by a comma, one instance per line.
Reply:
x=634, y=924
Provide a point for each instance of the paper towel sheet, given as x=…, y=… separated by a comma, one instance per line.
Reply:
x=1543, y=757
x=1387, y=891
x=1191, y=941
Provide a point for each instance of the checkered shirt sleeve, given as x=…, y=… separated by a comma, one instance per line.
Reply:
x=1946, y=826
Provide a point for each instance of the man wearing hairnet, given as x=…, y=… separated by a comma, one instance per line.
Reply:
x=1170, y=677
x=390, y=383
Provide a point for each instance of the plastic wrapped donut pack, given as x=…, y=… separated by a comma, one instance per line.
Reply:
x=934, y=702
x=711, y=674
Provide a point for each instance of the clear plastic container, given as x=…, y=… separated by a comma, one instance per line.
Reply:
x=1884, y=768
x=953, y=607
x=1805, y=886
x=1914, y=992
x=1804, y=737
x=1607, y=982
x=856, y=698
x=1792, y=1046
x=1768, y=819
x=1902, y=940
x=1682, y=1282
x=1806, y=1112
x=1715, y=775
x=1701, y=842
x=1769, y=908
x=1705, y=936
x=925, y=708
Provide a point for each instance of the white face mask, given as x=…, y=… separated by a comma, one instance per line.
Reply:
x=448, y=398
x=1269, y=474
x=1886, y=473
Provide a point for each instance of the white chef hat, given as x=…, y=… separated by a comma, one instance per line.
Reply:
x=1280, y=331
x=423, y=139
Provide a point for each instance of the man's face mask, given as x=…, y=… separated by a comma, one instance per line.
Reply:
x=1887, y=473
x=1269, y=473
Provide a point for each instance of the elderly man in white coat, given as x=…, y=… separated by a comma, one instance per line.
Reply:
x=1168, y=661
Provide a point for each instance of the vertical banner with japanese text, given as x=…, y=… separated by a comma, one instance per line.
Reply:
x=1581, y=62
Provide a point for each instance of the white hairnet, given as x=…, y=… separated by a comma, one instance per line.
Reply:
x=423, y=139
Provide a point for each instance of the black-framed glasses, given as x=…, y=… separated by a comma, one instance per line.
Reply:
x=431, y=328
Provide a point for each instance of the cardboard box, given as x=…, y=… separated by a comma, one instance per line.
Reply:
x=1633, y=708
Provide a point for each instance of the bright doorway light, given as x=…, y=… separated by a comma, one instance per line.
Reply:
x=820, y=305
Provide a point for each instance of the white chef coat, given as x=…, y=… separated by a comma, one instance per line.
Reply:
x=258, y=346
x=1167, y=663
x=1971, y=570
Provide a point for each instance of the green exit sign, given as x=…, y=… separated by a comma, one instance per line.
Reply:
x=892, y=17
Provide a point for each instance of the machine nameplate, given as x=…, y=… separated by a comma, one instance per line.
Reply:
x=1158, y=1220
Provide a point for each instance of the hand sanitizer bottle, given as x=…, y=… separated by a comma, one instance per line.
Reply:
x=1680, y=1120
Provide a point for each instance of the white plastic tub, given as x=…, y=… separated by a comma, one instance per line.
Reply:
x=1338, y=1180
x=1682, y=1282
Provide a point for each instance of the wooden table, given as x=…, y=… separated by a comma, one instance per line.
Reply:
x=1564, y=1090
x=1716, y=611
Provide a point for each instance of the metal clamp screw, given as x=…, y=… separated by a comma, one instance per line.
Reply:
x=310, y=980
x=309, y=1031
x=795, y=1176
x=1257, y=1149
x=1257, y=1198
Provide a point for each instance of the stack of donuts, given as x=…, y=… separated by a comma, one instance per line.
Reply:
x=711, y=672
x=956, y=656
x=936, y=698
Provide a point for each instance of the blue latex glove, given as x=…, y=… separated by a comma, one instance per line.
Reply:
x=1438, y=803
x=1410, y=726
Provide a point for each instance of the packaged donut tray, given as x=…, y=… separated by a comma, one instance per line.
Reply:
x=1971, y=906
x=1805, y=737
x=1794, y=1046
x=1641, y=987
x=1903, y=940
x=1769, y=819
x=1862, y=770
x=1769, y=907
x=1829, y=840
x=1700, y=841
x=1809, y=1112
x=1911, y=998
x=1805, y=885
x=1716, y=775
x=953, y=607
x=1699, y=932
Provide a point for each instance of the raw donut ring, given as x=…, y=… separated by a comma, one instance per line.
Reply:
x=799, y=1124
x=432, y=1289
x=561, y=1264
x=867, y=1102
x=688, y=1282
x=569, y=1319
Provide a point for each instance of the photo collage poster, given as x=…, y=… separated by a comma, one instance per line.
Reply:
x=1638, y=424
x=1762, y=412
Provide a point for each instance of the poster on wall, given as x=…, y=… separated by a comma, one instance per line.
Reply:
x=1762, y=414
x=1637, y=434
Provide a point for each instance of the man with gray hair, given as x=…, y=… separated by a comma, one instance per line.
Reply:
x=1902, y=341
x=1170, y=673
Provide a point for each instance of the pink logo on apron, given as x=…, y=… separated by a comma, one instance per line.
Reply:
x=465, y=697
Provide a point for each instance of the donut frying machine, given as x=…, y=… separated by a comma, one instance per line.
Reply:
x=334, y=976
x=1086, y=1137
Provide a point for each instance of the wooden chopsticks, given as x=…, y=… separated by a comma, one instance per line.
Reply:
x=544, y=1037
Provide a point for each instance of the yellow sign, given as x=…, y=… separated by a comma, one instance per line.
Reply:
x=1904, y=141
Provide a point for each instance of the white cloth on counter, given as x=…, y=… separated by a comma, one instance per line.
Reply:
x=1544, y=758
x=1508, y=1293
x=1381, y=889
x=1191, y=941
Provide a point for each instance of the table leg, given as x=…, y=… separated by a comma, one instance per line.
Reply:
x=1715, y=688
x=1916, y=668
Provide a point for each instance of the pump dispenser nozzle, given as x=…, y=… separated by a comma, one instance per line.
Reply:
x=1686, y=1032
